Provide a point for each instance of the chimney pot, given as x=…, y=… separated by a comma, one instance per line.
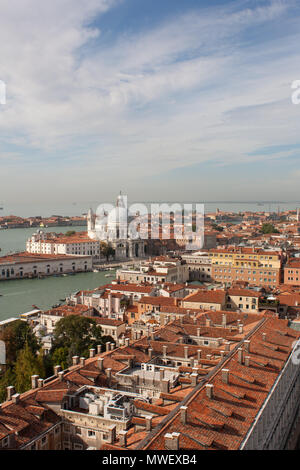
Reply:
x=225, y=376
x=92, y=352
x=82, y=361
x=75, y=360
x=183, y=413
x=34, y=381
x=10, y=392
x=57, y=369
x=240, y=355
x=209, y=391
x=16, y=398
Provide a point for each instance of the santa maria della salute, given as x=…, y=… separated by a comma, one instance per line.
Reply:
x=114, y=226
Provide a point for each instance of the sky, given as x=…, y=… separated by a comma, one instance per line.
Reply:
x=163, y=99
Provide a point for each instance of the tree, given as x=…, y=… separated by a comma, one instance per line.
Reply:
x=15, y=337
x=60, y=358
x=107, y=250
x=8, y=378
x=217, y=227
x=268, y=228
x=27, y=364
x=69, y=233
x=76, y=333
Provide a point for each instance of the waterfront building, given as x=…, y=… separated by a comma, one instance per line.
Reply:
x=27, y=265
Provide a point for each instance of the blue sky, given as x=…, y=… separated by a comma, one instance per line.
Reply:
x=170, y=99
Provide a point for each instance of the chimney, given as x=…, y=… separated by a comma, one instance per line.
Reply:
x=208, y=356
x=75, y=360
x=108, y=374
x=241, y=328
x=127, y=341
x=222, y=353
x=198, y=354
x=112, y=346
x=100, y=361
x=16, y=398
x=92, y=352
x=82, y=361
x=107, y=345
x=208, y=322
x=247, y=361
x=209, y=391
x=194, y=377
x=148, y=423
x=227, y=345
x=40, y=383
x=247, y=345
x=183, y=414
x=225, y=376
x=57, y=369
x=150, y=353
x=240, y=355
x=164, y=348
x=112, y=434
x=186, y=352
x=34, y=381
x=224, y=320
x=198, y=332
x=161, y=374
x=172, y=441
x=10, y=392
x=264, y=335
x=165, y=386
x=61, y=375
x=123, y=438
x=99, y=348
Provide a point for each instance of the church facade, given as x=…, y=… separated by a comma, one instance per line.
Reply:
x=114, y=227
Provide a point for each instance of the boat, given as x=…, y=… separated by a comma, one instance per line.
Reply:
x=109, y=275
x=95, y=270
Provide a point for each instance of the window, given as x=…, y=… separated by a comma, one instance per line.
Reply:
x=91, y=433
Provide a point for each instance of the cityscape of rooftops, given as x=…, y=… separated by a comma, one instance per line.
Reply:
x=149, y=229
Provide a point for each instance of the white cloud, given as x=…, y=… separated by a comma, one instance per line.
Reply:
x=188, y=91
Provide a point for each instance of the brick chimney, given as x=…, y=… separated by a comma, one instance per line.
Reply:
x=240, y=355
x=16, y=398
x=225, y=376
x=61, y=375
x=247, y=361
x=92, y=352
x=57, y=369
x=172, y=441
x=123, y=438
x=40, y=383
x=209, y=391
x=34, y=381
x=183, y=414
x=148, y=423
x=75, y=360
x=10, y=392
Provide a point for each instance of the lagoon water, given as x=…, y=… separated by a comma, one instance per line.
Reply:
x=18, y=296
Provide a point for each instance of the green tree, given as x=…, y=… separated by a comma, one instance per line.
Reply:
x=15, y=336
x=8, y=378
x=76, y=333
x=27, y=364
x=60, y=358
x=217, y=227
x=107, y=250
x=268, y=228
x=69, y=233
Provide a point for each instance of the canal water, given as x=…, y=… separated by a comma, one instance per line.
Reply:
x=19, y=296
